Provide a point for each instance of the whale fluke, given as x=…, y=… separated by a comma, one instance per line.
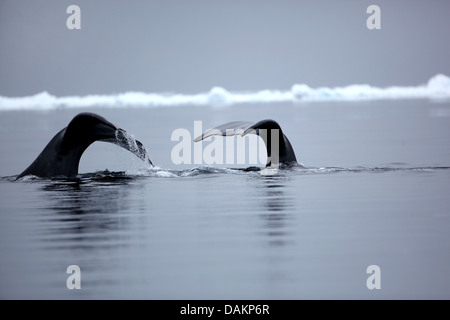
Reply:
x=279, y=149
x=61, y=156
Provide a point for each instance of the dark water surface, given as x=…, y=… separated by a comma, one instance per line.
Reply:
x=375, y=191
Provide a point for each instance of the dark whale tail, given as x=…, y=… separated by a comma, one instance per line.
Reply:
x=279, y=149
x=62, y=154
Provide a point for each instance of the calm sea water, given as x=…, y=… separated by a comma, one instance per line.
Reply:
x=374, y=191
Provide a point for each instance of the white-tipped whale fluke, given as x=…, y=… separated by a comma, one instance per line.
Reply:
x=279, y=149
x=62, y=154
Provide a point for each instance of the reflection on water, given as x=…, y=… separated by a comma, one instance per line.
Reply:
x=82, y=214
x=219, y=235
x=277, y=212
x=89, y=223
x=276, y=207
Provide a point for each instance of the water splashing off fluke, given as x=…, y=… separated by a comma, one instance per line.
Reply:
x=127, y=141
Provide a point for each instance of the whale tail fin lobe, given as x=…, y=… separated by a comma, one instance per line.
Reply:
x=279, y=149
x=62, y=154
x=228, y=129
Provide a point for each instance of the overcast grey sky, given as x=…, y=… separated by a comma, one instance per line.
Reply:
x=189, y=46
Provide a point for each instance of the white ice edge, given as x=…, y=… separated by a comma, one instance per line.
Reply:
x=438, y=87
